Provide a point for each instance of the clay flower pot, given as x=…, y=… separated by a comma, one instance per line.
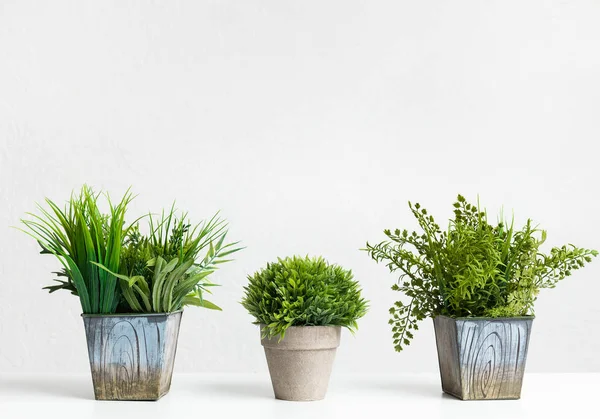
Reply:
x=300, y=364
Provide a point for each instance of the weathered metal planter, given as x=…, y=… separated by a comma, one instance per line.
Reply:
x=482, y=358
x=300, y=365
x=132, y=355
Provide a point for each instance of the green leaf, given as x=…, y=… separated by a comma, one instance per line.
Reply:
x=194, y=300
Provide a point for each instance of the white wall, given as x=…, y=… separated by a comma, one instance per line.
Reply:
x=310, y=124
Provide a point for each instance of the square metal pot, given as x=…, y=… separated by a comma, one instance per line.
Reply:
x=132, y=355
x=482, y=358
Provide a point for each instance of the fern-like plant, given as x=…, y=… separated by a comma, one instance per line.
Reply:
x=303, y=291
x=472, y=269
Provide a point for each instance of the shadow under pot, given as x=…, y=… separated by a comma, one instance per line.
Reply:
x=132, y=355
x=300, y=364
x=482, y=358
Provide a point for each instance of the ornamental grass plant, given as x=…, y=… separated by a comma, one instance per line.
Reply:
x=113, y=268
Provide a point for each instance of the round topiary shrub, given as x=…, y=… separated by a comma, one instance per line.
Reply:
x=303, y=291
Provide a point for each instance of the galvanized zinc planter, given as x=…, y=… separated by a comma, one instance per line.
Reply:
x=300, y=365
x=132, y=355
x=482, y=358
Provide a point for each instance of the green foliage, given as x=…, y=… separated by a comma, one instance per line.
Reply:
x=114, y=268
x=473, y=269
x=298, y=291
x=169, y=268
x=80, y=236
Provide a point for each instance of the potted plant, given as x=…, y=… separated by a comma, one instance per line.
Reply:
x=132, y=287
x=478, y=281
x=301, y=303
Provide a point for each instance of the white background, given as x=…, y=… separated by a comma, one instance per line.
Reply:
x=310, y=125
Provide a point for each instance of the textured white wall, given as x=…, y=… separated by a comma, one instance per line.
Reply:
x=310, y=124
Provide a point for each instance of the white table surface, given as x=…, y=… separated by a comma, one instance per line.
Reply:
x=235, y=396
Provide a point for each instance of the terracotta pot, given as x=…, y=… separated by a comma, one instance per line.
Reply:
x=300, y=365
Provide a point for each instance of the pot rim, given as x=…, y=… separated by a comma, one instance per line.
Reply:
x=304, y=338
x=84, y=315
x=487, y=318
x=262, y=325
